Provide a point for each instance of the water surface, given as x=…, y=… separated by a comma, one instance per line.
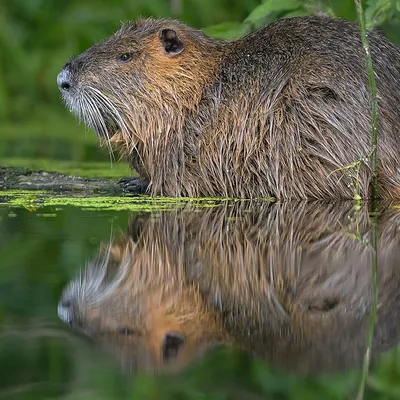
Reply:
x=188, y=300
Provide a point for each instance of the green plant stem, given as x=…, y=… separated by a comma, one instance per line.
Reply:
x=374, y=307
x=374, y=100
x=374, y=172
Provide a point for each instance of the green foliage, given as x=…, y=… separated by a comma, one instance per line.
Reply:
x=380, y=11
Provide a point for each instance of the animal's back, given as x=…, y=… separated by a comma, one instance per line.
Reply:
x=291, y=111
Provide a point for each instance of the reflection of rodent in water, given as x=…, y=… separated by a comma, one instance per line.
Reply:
x=275, y=113
x=290, y=284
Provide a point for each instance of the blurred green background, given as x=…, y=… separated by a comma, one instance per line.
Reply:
x=37, y=37
x=39, y=357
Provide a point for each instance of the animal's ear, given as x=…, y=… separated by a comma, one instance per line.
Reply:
x=171, y=42
x=173, y=342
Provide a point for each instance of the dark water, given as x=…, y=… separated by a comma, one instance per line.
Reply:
x=236, y=300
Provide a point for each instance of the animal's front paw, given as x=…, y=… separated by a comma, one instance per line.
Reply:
x=134, y=185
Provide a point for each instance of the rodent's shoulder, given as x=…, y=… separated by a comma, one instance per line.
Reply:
x=306, y=33
x=295, y=44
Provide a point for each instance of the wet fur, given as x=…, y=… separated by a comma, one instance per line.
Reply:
x=275, y=113
x=291, y=283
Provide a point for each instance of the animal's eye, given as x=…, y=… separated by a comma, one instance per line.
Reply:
x=125, y=57
x=127, y=331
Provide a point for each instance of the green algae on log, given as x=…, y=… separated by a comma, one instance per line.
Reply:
x=35, y=201
x=35, y=189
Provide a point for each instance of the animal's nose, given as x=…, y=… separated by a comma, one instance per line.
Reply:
x=65, y=310
x=64, y=80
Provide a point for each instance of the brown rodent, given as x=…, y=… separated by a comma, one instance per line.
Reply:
x=283, y=112
x=289, y=283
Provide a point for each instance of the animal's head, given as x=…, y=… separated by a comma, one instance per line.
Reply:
x=136, y=80
x=142, y=311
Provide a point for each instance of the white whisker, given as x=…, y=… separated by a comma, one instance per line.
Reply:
x=106, y=105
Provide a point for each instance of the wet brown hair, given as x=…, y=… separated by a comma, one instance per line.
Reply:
x=281, y=112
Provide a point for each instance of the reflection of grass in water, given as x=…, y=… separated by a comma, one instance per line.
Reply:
x=374, y=308
x=48, y=360
x=113, y=170
x=35, y=200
